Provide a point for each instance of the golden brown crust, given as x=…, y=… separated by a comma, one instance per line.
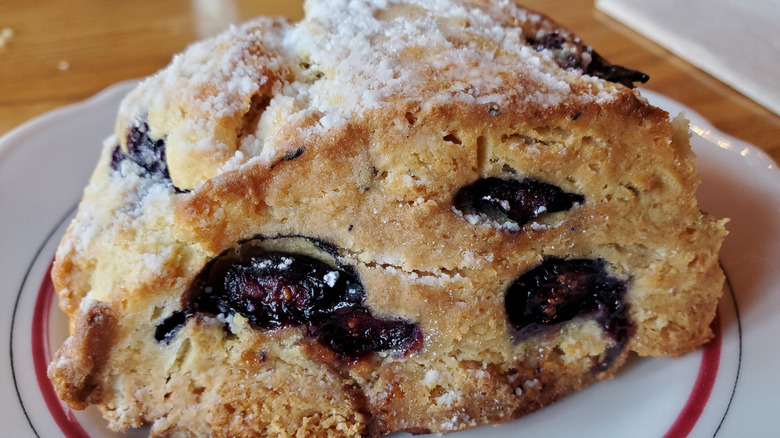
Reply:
x=83, y=357
x=350, y=129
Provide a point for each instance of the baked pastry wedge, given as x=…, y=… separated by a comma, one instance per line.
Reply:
x=397, y=215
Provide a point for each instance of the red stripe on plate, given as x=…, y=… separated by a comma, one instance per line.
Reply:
x=41, y=356
x=702, y=388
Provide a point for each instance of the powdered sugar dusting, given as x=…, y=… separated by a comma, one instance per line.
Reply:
x=414, y=50
x=344, y=59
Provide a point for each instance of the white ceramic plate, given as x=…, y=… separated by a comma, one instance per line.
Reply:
x=728, y=388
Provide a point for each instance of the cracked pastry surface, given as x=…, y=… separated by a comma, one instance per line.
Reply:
x=390, y=216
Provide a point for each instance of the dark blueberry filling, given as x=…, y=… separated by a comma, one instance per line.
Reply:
x=146, y=152
x=600, y=68
x=558, y=290
x=168, y=329
x=354, y=331
x=555, y=43
x=511, y=200
x=274, y=289
x=596, y=66
x=291, y=155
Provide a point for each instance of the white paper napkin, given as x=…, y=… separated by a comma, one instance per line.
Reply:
x=736, y=41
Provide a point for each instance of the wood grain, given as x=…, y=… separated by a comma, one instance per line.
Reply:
x=65, y=51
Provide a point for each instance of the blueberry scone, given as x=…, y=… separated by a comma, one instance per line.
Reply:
x=397, y=215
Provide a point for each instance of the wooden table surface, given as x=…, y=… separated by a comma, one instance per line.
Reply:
x=53, y=53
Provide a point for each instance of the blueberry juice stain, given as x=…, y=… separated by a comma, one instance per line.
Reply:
x=558, y=290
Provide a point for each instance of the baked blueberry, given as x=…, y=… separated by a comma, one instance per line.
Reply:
x=277, y=289
x=167, y=330
x=355, y=331
x=559, y=290
x=507, y=200
x=586, y=59
x=601, y=68
x=146, y=152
